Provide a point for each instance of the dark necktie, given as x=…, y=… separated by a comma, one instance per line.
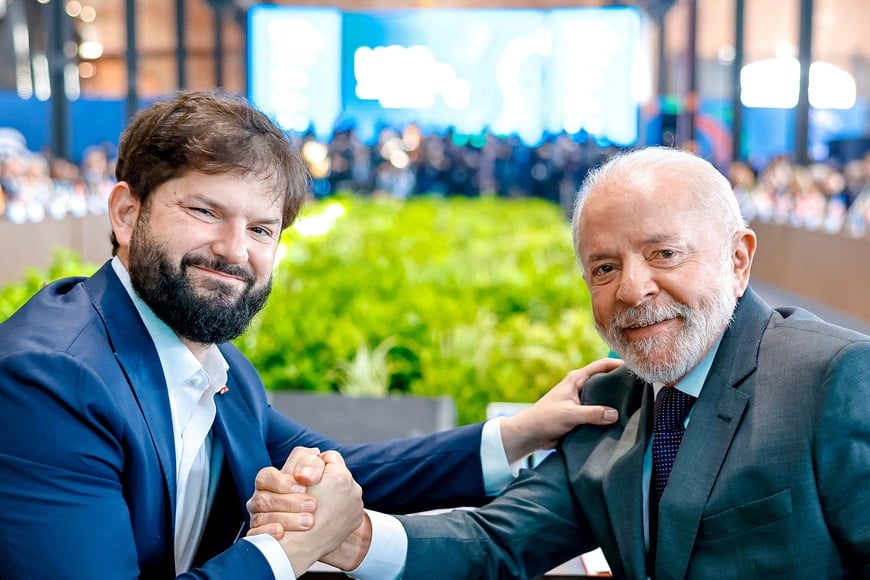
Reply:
x=671, y=408
x=670, y=411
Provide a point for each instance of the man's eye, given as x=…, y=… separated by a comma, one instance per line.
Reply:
x=603, y=269
x=667, y=253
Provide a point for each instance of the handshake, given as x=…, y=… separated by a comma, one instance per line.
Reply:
x=340, y=532
x=284, y=505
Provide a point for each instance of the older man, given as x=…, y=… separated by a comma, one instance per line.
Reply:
x=743, y=445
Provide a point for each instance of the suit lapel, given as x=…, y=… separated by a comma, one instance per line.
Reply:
x=241, y=436
x=702, y=452
x=623, y=486
x=237, y=431
x=137, y=356
x=709, y=435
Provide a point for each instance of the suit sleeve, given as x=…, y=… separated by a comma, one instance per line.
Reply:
x=531, y=528
x=842, y=455
x=420, y=473
x=63, y=510
x=399, y=475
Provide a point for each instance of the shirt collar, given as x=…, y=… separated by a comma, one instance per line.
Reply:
x=693, y=382
x=178, y=362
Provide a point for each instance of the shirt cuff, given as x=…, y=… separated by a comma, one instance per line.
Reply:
x=497, y=472
x=274, y=554
x=387, y=552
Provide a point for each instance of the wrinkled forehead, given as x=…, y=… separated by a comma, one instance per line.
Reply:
x=260, y=182
x=627, y=194
x=639, y=206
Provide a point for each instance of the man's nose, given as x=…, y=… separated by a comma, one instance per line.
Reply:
x=636, y=284
x=232, y=244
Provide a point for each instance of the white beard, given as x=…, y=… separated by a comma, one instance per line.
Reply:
x=668, y=359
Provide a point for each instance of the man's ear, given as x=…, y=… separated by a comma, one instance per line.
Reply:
x=741, y=257
x=123, y=213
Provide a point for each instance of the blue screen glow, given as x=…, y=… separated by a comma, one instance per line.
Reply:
x=511, y=72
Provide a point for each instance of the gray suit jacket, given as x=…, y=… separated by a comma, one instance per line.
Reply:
x=772, y=479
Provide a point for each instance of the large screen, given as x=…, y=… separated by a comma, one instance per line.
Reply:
x=510, y=72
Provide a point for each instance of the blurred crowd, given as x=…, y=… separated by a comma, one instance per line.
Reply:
x=409, y=162
x=35, y=187
x=405, y=163
x=822, y=196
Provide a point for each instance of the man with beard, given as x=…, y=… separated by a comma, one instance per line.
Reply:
x=132, y=432
x=743, y=444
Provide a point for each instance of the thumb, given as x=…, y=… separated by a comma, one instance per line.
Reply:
x=305, y=465
x=595, y=415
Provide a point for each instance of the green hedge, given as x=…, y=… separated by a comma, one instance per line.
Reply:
x=64, y=263
x=479, y=299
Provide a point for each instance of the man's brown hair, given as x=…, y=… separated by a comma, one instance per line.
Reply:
x=209, y=132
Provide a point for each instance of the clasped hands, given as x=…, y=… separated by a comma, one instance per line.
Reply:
x=285, y=500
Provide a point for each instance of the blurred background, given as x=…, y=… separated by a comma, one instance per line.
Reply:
x=446, y=140
x=726, y=75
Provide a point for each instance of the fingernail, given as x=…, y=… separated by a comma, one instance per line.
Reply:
x=296, y=488
x=306, y=521
x=610, y=415
x=306, y=471
x=308, y=505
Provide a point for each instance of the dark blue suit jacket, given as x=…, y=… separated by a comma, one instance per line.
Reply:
x=87, y=461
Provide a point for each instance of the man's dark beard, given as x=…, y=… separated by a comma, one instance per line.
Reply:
x=173, y=298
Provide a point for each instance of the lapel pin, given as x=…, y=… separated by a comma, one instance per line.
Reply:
x=223, y=390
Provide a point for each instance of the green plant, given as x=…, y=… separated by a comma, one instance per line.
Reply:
x=64, y=263
x=368, y=373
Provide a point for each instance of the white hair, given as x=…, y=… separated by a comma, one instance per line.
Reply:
x=711, y=191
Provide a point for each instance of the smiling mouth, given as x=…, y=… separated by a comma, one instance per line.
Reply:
x=219, y=274
x=646, y=324
x=218, y=269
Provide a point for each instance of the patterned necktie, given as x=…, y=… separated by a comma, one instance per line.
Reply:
x=671, y=408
